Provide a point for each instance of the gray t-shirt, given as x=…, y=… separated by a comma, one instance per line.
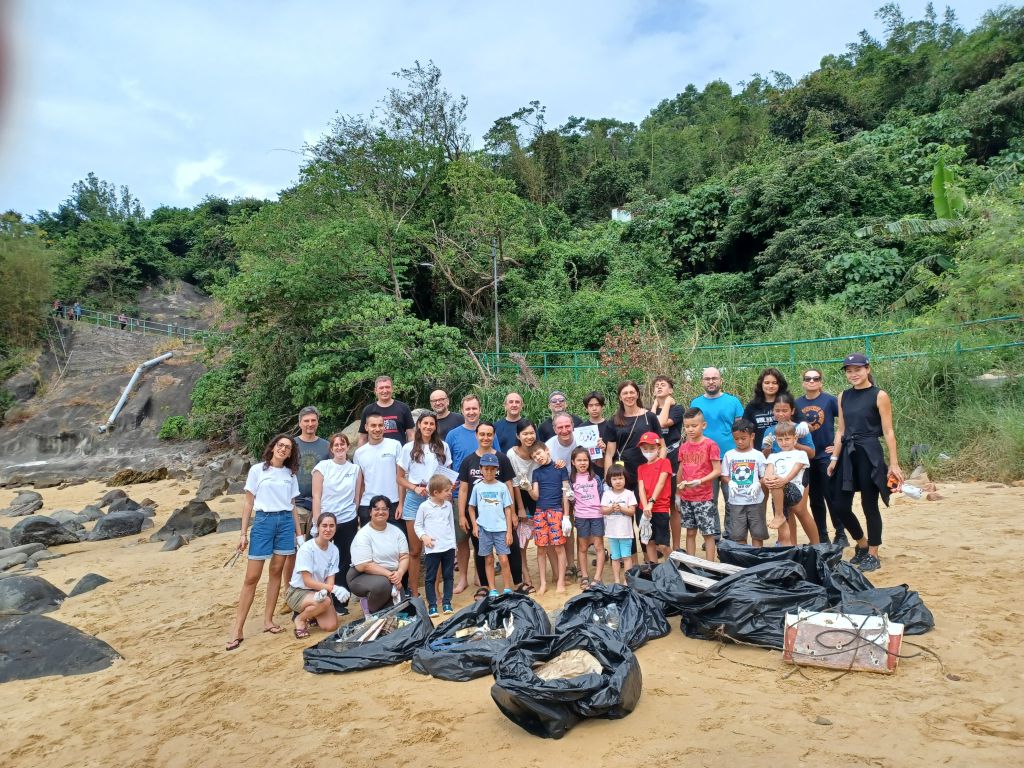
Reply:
x=310, y=454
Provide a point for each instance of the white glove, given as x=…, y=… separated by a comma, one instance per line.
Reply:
x=569, y=495
x=341, y=593
x=320, y=596
x=646, y=530
x=396, y=596
x=802, y=430
x=769, y=441
x=300, y=540
x=312, y=532
x=566, y=525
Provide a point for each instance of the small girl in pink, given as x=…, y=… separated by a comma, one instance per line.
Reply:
x=587, y=488
x=618, y=504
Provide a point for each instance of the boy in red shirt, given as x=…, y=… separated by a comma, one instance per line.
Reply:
x=700, y=462
x=654, y=490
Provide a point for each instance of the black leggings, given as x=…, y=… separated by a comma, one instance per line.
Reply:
x=343, y=536
x=863, y=482
x=822, y=496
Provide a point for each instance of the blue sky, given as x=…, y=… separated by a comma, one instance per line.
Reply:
x=187, y=99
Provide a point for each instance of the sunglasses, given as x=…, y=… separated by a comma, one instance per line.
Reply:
x=812, y=378
x=556, y=400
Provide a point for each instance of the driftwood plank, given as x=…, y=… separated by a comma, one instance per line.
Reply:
x=707, y=565
x=693, y=580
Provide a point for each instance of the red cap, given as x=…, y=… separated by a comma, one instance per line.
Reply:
x=650, y=437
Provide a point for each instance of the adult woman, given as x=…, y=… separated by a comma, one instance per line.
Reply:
x=526, y=505
x=337, y=485
x=865, y=415
x=628, y=424
x=417, y=463
x=312, y=582
x=380, y=557
x=759, y=410
x=269, y=490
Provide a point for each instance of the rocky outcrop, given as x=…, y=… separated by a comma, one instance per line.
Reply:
x=194, y=519
x=132, y=476
x=121, y=505
x=39, y=529
x=29, y=594
x=110, y=497
x=38, y=646
x=25, y=503
x=88, y=583
x=117, y=524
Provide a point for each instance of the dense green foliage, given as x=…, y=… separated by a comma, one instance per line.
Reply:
x=881, y=190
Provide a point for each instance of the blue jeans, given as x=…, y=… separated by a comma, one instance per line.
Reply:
x=446, y=561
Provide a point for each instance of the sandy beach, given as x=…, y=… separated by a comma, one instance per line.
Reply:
x=178, y=699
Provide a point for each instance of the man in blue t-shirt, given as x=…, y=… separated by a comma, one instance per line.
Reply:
x=820, y=411
x=720, y=410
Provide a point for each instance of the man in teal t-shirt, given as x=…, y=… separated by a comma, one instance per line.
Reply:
x=720, y=410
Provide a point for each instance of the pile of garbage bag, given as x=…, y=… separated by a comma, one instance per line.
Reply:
x=634, y=617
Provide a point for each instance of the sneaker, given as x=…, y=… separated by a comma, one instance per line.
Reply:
x=493, y=593
x=841, y=540
x=869, y=563
x=447, y=607
x=859, y=553
x=432, y=611
x=506, y=592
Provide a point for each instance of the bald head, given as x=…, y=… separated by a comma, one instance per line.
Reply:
x=513, y=406
x=711, y=379
x=439, y=402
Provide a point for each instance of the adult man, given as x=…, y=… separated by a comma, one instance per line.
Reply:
x=562, y=444
x=505, y=429
x=462, y=442
x=557, y=403
x=820, y=411
x=378, y=460
x=670, y=417
x=720, y=411
x=446, y=419
x=398, y=422
x=469, y=475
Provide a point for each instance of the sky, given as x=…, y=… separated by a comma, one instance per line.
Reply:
x=187, y=99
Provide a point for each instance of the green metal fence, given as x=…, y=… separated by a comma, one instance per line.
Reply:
x=138, y=325
x=994, y=333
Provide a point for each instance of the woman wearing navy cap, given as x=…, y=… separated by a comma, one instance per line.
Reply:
x=865, y=415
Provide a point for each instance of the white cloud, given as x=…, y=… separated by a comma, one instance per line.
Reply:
x=189, y=173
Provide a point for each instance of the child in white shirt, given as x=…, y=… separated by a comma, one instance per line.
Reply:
x=618, y=504
x=435, y=527
x=783, y=477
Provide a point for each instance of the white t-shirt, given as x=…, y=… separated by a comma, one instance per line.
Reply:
x=379, y=464
x=318, y=563
x=437, y=522
x=743, y=468
x=339, y=489
x=421, y=471
x=784, y=462
x=273, y=487
x=381, y=547
x=618, y=525
x=560, y=452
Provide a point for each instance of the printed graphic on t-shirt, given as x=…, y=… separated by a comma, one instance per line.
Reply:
x=586, y=493
x=743, y=474
x=814, y=416
x=390, y=424
x=489, y=502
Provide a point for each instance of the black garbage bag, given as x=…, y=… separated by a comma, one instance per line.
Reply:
x=338, y=653
x=899, y=603
x=660, y=583
x=817, y=560
x=634, y=617
x=449, y=658
x=549, y=708
x=751, y=606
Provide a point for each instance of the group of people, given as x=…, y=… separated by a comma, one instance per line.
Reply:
x=336, y=522
x=67, y=311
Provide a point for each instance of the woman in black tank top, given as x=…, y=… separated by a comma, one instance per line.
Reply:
x=858, y=464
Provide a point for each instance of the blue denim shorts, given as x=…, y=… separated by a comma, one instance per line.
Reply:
x=492, y=540
x=587, y=527
x=410, y=505
x=273, y=533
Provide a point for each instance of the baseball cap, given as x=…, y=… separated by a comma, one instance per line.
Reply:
x=855, y=359
x=557, y=394
x=488, y=460
x=650, y=437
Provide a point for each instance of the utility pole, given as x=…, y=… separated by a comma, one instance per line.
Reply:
x=494, y=260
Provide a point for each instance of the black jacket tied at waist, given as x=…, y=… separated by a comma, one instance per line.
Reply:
x=871, y=451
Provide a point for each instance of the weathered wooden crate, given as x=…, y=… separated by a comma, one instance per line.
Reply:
x=842, y=641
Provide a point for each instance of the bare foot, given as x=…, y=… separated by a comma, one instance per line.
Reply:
x=543, y=588
x=777, y=522
x=460, y=587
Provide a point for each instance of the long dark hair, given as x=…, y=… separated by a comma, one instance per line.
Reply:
x=521, y=426
x=572, y=463
x=435, y=441
x=788, y=399
x=291, y=463
x=759, y=397
x=619, y=420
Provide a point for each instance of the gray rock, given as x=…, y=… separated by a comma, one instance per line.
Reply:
x=88, y=583
x=122, y=505
x=66, y=516
x=236, y=467
x=229, y=524
x=173, y=543
x=29, y=594
x=9, y=561
x=45, y=554
x=38, y=646
x=28, y=549
x=212, y=485
x=235, y=487
x=147, y=511
x=147, y=523
x=148, y=502
x=5, y=538
x=29, y=565
x=24, y=503
x=39, y=529
x=117, y=524
x=22, y=385
x=195, y=519
x=111, y=496
x=91, y=512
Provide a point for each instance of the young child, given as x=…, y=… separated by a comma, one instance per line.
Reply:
x=784, y=411
x=587, y=488
x=743, y=471
x=699, y=463
x=490, y=513
x=783, y=477
x=618, y=504
x=552, y=506
x=654, y=490
x=435, y=527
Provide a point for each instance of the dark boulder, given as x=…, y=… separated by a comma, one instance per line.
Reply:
x=111, y=496
x=173, y=543
x=88, y=583
x=5, y=538
x=117, y=524
x=91, y=512
x=39, y=529
x=68, y=518
x=194, y=519
x=212, y=485
x=148, y=502
x=38, y=646
x=147, y=511
x=10, y=561
x=229, y=524
x=133, y=476
x=123, y=505
x=29, y=594
x=23, y=385
x=24, y=503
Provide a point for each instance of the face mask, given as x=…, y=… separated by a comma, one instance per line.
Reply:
x=649, y=454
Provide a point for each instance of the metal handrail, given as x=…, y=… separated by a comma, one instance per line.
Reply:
x=135, y=324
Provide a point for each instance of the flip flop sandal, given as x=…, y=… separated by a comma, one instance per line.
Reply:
x=233, y=644
x=273, y=629
x=526, y=589
x=481, y=593
x=584, y=583
x=301, y=634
